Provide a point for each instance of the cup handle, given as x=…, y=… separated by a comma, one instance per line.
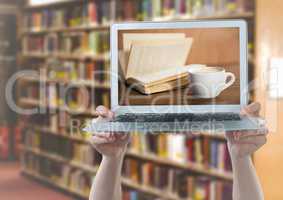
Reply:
x=233, y=78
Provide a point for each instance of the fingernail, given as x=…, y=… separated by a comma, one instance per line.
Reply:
x=100, y=109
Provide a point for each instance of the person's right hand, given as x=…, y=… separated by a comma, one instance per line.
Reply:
x=110, y=144
x=245, y=143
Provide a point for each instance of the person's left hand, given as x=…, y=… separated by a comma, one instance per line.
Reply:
x=109, y=144
x=245, y=143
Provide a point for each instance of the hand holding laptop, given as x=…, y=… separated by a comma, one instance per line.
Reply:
x=244, y=143
x=240, y=143
x=112, y=145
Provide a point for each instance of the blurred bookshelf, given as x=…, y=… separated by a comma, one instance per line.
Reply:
x=66, y=42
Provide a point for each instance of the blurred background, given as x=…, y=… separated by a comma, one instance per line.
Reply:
x=49, y=53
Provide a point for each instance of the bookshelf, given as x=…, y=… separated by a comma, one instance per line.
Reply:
x=79, y=43
x=146, y=156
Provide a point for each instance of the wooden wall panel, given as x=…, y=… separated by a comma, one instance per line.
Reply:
x=269, y=43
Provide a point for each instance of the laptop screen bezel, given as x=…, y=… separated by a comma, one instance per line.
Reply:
x=244, y=91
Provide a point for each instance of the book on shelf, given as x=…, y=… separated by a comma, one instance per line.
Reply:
x=91, y=43
x=144, y=71
x=80, y=71
x=202, y=151
x=31, y=92
x=135, y=195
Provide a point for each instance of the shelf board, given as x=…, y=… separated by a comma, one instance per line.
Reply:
x=67, y=56
x=36, y=103
x=163, y=194
x=236, y=15
x=82, y=28
x=87, y=83
x=187, y=166
x=39, y=177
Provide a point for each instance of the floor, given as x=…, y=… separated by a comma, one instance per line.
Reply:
x=13, y=186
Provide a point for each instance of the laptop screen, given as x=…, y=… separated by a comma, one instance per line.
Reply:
x=189, y=66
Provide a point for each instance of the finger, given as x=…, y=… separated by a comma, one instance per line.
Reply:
x=250, y=133
x=120, y=135
x=102, y=134
x=104, y=112
x=98, y=140
x=124, y=139
x=259, y=139
x=107, y=137
x=251, y=110
x=123, y=136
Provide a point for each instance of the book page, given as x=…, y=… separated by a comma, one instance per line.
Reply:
x=123, y=61
x=162, y=76
x=156, y=56
x=128, y=38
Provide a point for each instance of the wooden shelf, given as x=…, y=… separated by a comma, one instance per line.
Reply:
x=58, y=158
x=152, y=157
x=67, y=56
x=102, y=27
x=87, y=83
x=187, y=166
x=163, y=194
x=239, y=15
x=125, y=181
x=39, y=177
x=35, y=103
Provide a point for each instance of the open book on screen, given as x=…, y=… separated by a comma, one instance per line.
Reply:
x=155, y=63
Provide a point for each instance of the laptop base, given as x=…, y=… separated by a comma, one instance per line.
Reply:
x=246, y=123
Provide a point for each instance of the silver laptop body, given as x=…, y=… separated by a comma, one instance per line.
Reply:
x=178, y=118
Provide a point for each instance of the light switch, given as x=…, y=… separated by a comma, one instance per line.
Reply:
x=275, y=78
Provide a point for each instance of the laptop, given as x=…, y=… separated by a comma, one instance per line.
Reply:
x=178, y=77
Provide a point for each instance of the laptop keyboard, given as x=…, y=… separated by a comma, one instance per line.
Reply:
x=172, y=117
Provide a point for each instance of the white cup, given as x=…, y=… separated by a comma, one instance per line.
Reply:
x=209, y=82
